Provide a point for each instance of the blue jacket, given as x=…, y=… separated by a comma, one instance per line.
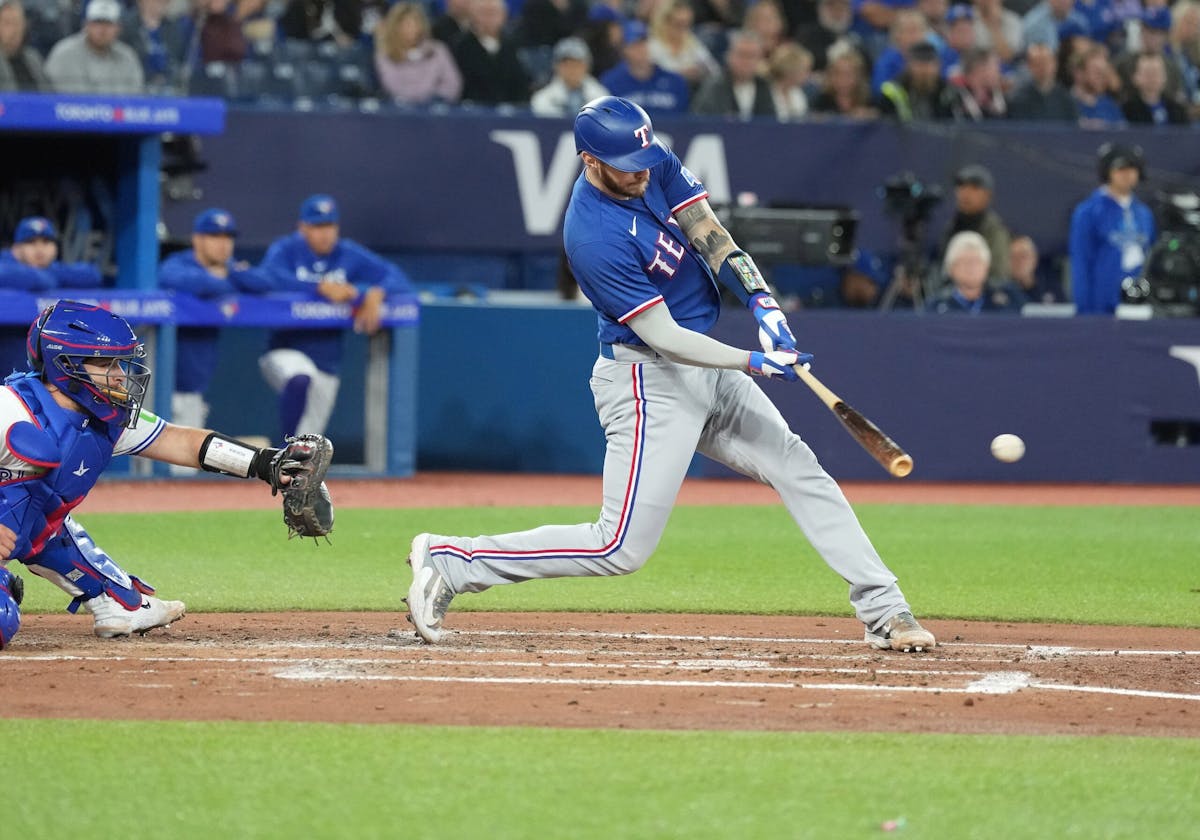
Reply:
x=1107, y=244
x=196, y=356
x=664, y=91
x=14, y=274
x=293, y=267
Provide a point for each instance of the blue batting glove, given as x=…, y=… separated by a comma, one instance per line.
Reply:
x=773, y=330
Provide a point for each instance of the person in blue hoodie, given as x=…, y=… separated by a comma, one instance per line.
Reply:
x=32, y=265
x=206, y=270
x=303, y=365
x=1111, y=232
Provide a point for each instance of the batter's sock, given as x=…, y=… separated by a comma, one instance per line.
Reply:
x=292, y=403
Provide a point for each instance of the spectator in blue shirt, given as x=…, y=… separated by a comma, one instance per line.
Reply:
x=1111, y=232
x=908, y=29
x=302, y=365
x=206, y=270
x=640, y=80
x=1093, y=76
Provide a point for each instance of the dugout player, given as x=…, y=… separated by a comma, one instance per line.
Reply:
x=302, y=364
x=32, y=265
x=206, y=270
x=648, y=252
x=61, y=423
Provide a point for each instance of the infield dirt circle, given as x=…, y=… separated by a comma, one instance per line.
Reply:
x=608, y=670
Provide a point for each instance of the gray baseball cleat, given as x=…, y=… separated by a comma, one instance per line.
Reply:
x=429, y=596
x=901, y=632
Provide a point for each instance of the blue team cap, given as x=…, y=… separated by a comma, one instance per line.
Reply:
x=603, y=12
x=215, y=222
x=959, y=12
x=1070, y=27
x=34, y=227
x=319, y=209
x=635, y=31
x=1159, y=18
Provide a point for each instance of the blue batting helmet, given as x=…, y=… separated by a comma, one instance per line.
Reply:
x=67, y=336
x=11, y=592
x=619, y=133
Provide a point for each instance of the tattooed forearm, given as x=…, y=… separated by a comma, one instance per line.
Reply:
x=706, y=233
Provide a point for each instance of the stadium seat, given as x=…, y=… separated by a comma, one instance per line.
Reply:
x=253, y=79
x=294, y=51
x=216, y=78
x=283, y=83
x=352, y=81
x=317, y=80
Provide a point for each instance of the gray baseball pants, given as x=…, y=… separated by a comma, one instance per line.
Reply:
x=656, y=414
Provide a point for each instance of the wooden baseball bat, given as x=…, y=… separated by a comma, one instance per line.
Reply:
x=878, y=445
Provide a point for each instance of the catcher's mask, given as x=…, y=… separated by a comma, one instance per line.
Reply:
x=92, y=356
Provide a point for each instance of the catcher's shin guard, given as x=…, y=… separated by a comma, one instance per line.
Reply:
x=11, y=592
x=74, y=563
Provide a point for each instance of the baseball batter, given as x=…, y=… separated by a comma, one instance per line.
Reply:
x=648, y=252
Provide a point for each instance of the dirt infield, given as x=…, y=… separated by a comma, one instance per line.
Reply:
x=637, y=671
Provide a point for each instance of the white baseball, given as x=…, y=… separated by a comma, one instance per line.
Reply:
x=1007, y=448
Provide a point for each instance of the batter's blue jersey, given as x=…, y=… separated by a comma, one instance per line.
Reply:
x=629, y=255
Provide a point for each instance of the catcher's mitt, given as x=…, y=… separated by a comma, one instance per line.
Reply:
x=307, y=508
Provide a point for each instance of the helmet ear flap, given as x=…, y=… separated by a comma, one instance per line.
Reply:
x=33, y=341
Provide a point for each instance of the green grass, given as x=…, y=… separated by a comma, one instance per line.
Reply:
x=205, y=780
x=201, y=780
x=1109, y=565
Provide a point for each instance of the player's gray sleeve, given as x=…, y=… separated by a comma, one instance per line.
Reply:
x=661, y=332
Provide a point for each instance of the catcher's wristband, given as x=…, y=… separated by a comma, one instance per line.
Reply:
x=222, y=454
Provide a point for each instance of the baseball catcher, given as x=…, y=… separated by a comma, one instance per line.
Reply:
x=61, y=423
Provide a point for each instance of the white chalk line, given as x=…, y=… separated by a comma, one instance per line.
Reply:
x=994, y=684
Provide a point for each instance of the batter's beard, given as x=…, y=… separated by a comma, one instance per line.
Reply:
x=609, y=183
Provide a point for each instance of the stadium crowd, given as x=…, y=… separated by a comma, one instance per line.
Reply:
x=1095, y=62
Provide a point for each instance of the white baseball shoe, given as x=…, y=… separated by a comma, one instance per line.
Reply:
x=113, y=620
x=429, y=596
x=901, y=632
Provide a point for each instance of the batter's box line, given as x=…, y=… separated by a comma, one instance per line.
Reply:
x=995, y=684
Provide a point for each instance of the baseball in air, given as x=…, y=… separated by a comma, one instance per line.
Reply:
x=1007, y=448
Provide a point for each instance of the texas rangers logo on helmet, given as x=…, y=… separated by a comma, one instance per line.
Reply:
x=643, y=134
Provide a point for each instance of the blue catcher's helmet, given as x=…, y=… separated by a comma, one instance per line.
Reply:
x=619, y=133
x=68, y=335
x=11, y=592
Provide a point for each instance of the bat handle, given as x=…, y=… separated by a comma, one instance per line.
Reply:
x=818, y=387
